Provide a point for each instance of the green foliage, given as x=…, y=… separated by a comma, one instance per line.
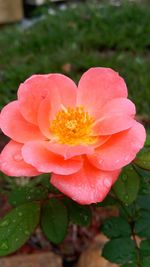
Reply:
x=145, y=248
x=130, y=265
x=45, y=181
x=147, y=143
x=78, y=214
x=144, y=202
x=119, y=250
x=127, y=186
x=144, y=181
x=142, y=224
x=17, y=226
x=134, y=219
x=54, y=220
x=145, y=262
x=143, y=159
x=25, y=194
x=108, y=201
x=116, y=227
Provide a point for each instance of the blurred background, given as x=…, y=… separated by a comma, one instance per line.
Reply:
x=44, y=36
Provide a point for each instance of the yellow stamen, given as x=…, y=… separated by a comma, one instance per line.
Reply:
x=73, y=126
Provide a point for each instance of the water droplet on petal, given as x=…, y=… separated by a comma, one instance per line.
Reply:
x=18, y=157
x=117, y=160
x=4, y=164
x=4, y=223
x=107, y=182
x=126, y=158
x=100, y=161
x=4, y=246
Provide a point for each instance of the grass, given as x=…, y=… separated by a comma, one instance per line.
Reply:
x=90, y=35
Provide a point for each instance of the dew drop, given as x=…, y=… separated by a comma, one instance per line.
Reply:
x=4, y=164
x=20, y=214
x=107, y=183
x=126, y=158
x=26, y=232
x=4, y=223
x=124, y=177
x=18, y=157
x=126, y=197
x=117, y=160
x=100, y=161
x=16, y=239
x=85, y=217
x=4, y=246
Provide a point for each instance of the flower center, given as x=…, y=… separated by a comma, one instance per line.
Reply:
x=73, y=126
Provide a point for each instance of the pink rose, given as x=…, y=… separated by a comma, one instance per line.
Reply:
x=82, y=135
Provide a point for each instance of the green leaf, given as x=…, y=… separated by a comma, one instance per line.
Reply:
x=145, y=262
x=127, y=186
x=108, y=201
x=143, y=159
x=147, y=142
x=144, y=201
x=120, y=250
x=116, y=227
x=45, y=181
x=54, y=220
x=142, y=172
x=142, y=224
x=145, y=248
x=26, y=194
x=79, y=214
x=130, y=265
x=17, y=226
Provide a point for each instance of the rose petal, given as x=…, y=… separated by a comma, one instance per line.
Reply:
x=12, y=163
x=68, y=151
x=15, y=126
x=117, y=115
x=120, y=149
x=36, y=154
x=89, y=185
x=36, y=88
x=97, y=86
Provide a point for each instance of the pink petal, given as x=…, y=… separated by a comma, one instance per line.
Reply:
x=37, y=155
x=47, y=110
x=35, y=89
x=15, y=126
x=89, y=185
x=117, y=115
x=12, y=163
x=97, y=86
x=120, y=149
x=68, y=151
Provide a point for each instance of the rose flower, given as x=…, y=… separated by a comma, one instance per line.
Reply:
x=82, y=135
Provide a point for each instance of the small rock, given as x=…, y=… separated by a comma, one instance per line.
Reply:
x=33, y=260
x=92, y=256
